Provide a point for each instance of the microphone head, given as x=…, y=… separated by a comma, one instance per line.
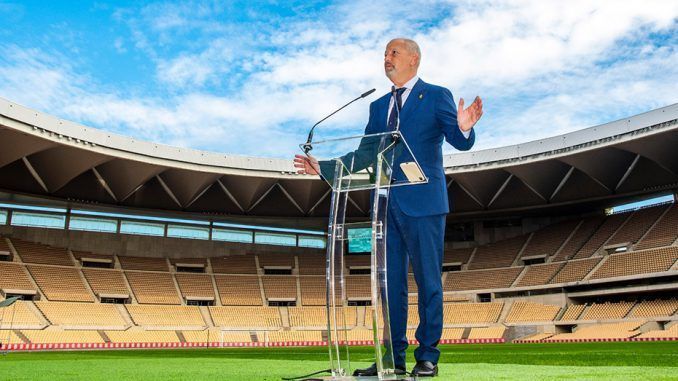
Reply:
x=367, y=93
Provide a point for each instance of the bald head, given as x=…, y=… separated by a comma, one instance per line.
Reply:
x=401, y=60
x=410, y=45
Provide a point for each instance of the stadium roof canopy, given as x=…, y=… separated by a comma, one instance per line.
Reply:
x=61, y=161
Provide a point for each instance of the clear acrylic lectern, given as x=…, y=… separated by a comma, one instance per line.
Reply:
x=375, y=162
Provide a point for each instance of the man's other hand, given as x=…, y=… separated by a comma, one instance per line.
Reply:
x=306, y=165
x=468, y=118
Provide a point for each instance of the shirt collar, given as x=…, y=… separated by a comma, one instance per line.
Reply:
x=410, y=84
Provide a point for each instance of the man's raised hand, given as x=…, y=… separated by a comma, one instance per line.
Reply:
x=468, y=118
x=306, y=165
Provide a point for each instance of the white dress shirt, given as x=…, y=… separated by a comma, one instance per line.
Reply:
x=408, y=89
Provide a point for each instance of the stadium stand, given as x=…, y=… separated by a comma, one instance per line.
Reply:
x=5, y=249
x=360, y=334
x=215, y=336
x=548, y=240
x=82, y=314
x=49, y=336
x=79, y=255
x=234, y=264
x=8, y=336
x=607, y=310
x=637, y=225
x=639, y=262
x=241, y=294
x=317, y=316
x=308, y=316
x=60, y=283
x=32, y=252
x=143, y=263
x=664, y=232
x=246, y=317
x=153, y=287
x=582, y=233
x=238, y=290
x=481, y=279
x=667, y=333
x=165, y=315
x=106, y=282
x=188, y=261
x=411, y=284
x=575, y=270
x=471, y=313
x=602, y=235
x=539, y=274
x=458, y=255
x=451, y=334
x=276, y=260
x=14, y=277
x=498, y=254
x=357, y=261
x=652, y=308
x=313, y=290
x=139, y=336
x=195, y=285
x=522, y=311
x=573, y=312
x=280, y=287
x=358, y=287
x=487, y=333
x=310, y=264
x=20, y=314
x=623, y=330
x=288, y=336
x=412, y=316
x=535, y=338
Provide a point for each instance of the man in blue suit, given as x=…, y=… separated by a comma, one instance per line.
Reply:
x=416, y=214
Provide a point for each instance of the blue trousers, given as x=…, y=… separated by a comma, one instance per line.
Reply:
x=420, y=242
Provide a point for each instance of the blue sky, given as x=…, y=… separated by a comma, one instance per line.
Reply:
x=250, y=77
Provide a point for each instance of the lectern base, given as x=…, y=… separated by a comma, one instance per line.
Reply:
x=351, y=378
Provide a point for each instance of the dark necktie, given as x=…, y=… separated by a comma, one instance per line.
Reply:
x=393, y=116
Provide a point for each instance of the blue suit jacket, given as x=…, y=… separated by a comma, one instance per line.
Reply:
x=428, y=117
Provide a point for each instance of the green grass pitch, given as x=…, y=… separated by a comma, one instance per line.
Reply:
x=576, y=361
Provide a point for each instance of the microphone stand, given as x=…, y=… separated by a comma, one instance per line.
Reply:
x=308, y=146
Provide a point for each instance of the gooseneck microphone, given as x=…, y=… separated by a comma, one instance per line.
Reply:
x=309, y=146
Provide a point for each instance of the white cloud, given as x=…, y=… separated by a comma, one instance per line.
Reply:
x=543, y=68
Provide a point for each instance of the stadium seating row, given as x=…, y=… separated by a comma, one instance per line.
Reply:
x=215, y=336
x=58, y=283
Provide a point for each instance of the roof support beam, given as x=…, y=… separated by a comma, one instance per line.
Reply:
x=329, y=190
x=468, y=193
x=562, y=183
x=530, y=187
x=35, y=174
x=628, y=171
x=254, y=204
x=356, y=205
x=230, y=195
x=197, y=196
x=168, y=190
x=501, y=189
x=294, y=202
x=104, y=184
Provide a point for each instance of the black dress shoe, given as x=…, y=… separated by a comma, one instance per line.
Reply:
x=372, y=371
x=425, y=369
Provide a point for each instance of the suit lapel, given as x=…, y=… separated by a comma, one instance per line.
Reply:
x=383, y=111
x=413, y=101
